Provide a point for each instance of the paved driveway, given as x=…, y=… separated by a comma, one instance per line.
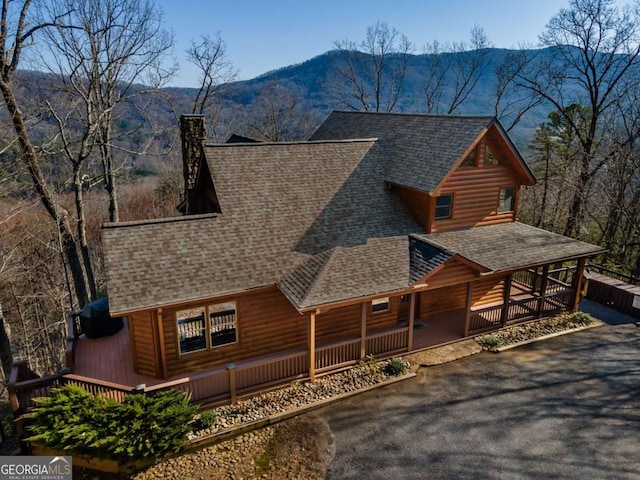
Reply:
x=565, y=408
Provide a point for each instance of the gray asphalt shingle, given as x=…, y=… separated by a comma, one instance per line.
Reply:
x=281, y=204
x=510, y=246
x=421, y=149
x=316, y=219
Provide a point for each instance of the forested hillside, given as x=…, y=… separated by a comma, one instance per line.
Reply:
x=93, y=135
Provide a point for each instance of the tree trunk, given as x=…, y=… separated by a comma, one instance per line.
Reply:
x=109, y=173
x=82, y=230
x=30, y=159
x=574, y=216
x=6, y=355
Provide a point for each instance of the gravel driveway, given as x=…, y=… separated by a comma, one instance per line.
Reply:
x=564, y=408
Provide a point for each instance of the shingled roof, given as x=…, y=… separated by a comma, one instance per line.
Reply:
x=316, y=219
x=421, y=149
x=343, y=273
x=510, y=246
x=281, y=203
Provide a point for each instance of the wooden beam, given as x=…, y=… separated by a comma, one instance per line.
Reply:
x=312, y=346
x=412, y=317
x=467, y=314
x=578, y=283
x=543, y=289
x=364, y=306
x=505, y=300
x=163, y=354
x=231, y=368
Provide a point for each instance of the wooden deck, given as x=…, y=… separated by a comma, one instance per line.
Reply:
x=109, y=359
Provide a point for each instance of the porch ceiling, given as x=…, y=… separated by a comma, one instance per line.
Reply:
x=510, y=246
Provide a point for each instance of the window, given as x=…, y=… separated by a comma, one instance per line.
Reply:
x=490, y=160
x=380, y=305
x=470, y=161
x=222, y=321
x=443, y=206
x=191, y=330
x=507, y=200
x=218, y=319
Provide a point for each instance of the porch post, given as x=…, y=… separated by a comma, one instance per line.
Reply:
x=467, y=313
x=312, y=346
x=412, y=318
x=162, y=353
x=543, y=289
x=505, y=301
x=363, y=329
x=578, y=284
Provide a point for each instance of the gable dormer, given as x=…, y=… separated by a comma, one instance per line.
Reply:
x=483, y=187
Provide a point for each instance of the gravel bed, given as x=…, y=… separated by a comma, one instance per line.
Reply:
x=535, y=329
x=239, y=457
x=299, y=394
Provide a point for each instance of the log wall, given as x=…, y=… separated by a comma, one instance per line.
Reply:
x=143, y=335
x=419, y=204
x=267, y=323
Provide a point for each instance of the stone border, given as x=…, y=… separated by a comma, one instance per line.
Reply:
x=595, y=323
x=213, y=438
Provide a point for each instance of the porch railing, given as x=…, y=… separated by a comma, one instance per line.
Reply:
x=388, y=341
x=558, y=279
x=491, y=318
x=221, y=384
x=336, y=355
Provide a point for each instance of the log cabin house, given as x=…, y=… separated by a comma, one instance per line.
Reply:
x=382, y=234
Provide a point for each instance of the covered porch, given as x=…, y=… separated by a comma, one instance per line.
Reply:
x=106, y=364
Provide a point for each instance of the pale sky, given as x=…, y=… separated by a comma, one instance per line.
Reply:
x=270, y=34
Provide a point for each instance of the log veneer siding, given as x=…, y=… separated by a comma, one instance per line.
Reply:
x=144, y=339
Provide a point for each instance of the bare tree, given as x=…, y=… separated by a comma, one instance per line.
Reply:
x=101, y=51
x=371, y=73
x=593, y=59
x=511, y=104
x=16, y=33
x=209, y=55
x=279, y=115
x=456, y=68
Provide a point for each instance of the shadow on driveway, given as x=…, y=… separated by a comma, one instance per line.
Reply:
x=564, y=408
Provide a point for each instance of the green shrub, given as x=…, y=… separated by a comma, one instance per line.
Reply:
x=142, y=426
x=581, y=318
x=395, y=366
x=491, y=341
x=205, y=420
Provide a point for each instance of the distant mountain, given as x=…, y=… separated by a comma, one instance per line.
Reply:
x=312, y=84
x=314, y=81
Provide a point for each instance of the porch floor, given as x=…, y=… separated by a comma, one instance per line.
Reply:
x=438, y=329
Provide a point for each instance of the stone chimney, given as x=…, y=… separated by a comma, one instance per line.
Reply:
x=194, y=135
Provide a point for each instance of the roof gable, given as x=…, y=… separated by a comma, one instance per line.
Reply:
x=349, y=273
x=421, y=149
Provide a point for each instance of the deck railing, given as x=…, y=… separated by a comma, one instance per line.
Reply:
x=221, y=384
x=630, y=279
x=491, y=318
x=110, y=390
